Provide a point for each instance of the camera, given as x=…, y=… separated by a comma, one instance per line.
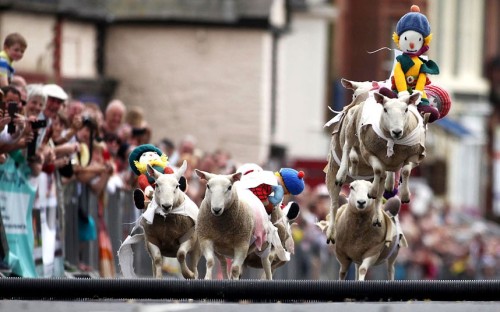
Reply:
x=35, y=125
x=12, y=110
x=88, y=121
x=42, y=123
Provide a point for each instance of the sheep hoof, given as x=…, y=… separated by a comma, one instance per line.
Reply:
x=377, y=223
x=332, y=241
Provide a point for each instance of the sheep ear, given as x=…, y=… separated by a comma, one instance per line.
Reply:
x=235, y=177
x=379, y=98
x=203, y=175
x=152, y=172
x=180, y=172
x=414, y=98
x=347, y=84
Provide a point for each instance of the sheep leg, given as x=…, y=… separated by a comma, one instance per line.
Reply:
x=334, y=191
x=194, y=258
x=207, y=247
x=389, y=182
x=390, y=264
x=344, y=165
x=344, y=265
x=365, y=265
x=223, y=265
x=156, y=258
x=378, y=176
x=240, y=253
x=181, y=257
x=404, y=187
x=354, y=159
x=266, y=265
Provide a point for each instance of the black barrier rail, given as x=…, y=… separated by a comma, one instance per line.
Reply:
x=248, y=290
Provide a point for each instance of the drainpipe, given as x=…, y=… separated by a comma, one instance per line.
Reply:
x=279, y=18
x=56, y=65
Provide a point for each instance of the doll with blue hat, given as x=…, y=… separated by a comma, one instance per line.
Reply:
x=411, y=70
x=272, y=187
x=139, y=158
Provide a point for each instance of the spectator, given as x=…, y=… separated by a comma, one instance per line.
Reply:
x=14, y=46
x=114, y=117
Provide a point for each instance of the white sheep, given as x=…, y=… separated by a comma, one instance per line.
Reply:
x=169, y=227
x=376, y=136
x=278, y=255
x=232, y=223
x=358, y=241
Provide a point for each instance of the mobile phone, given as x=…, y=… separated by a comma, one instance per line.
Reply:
x=12, y=109
x=42, y=123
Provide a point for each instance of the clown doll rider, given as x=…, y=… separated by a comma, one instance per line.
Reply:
x=138, y=159
x=412, y=36
x=271, y=187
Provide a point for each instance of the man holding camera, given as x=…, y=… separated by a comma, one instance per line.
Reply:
x=16, y=133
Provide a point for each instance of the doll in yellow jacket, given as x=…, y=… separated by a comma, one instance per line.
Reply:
x=413, y=35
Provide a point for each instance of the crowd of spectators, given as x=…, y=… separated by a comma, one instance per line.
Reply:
x=64, y=141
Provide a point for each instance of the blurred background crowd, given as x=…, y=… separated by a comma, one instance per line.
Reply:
x=229, y=82
x=83, y=192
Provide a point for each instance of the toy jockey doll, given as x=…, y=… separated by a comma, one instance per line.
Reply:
x=412, y=36
x=271, y=187
x=138, y=159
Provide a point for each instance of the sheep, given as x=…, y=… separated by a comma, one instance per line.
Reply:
x=232, y=222
x=279, y=255
x=358, y=241
x=391, y=138
x=169, y=227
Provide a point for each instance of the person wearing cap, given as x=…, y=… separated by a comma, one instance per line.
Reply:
x=55, y=99
x=412, y=36
x=272, y=187
x=139, y=158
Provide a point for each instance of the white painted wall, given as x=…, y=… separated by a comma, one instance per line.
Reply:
x=302, y=83
x=78, y=50
x=211, y=83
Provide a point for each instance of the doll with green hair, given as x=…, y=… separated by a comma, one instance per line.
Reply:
x=412, y=36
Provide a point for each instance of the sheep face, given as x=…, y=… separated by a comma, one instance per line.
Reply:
x=395, y=115
x=358, y=195
x=219, y=192
x=167, y=187
x=359, y=87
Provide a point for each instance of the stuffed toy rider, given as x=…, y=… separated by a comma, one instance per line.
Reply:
x=271, y=187
x=412, y=36
x=138, y=160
